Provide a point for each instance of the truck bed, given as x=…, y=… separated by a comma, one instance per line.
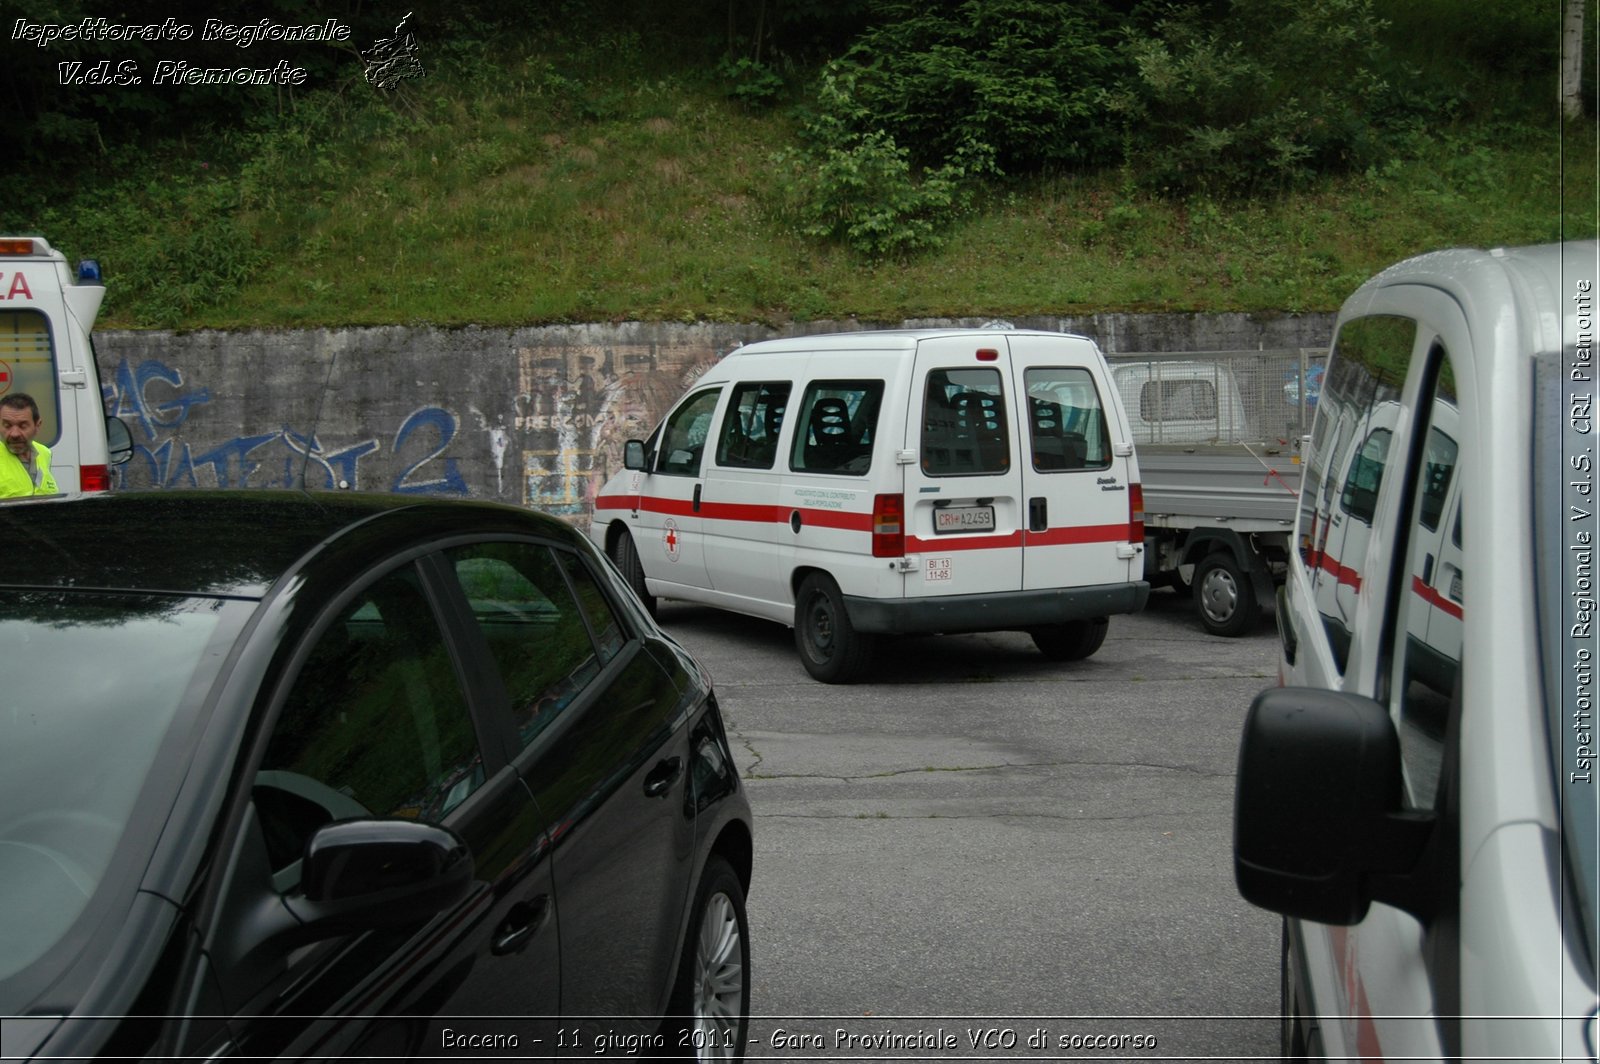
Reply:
x=1185, y=486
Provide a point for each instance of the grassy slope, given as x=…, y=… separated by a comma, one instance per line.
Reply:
x=527, y=197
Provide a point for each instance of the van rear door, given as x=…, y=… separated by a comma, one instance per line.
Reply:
x=1075, y=488
x=963, y=493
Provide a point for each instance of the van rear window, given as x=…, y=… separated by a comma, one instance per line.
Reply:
x=28, y=364
x=964, y=423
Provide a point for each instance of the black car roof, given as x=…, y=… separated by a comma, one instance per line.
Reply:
x=234, y=543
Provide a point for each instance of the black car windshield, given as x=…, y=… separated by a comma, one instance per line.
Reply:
x=92, y=684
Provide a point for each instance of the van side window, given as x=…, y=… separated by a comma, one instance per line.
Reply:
x=1349, y=451
x=1431, y=598
x=964, y=423
x=1066, y=424
x=25, y=347
x=683, y=437
x=838, y=421
x=750, y=427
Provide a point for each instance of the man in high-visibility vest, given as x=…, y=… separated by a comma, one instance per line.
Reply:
x=25, y=463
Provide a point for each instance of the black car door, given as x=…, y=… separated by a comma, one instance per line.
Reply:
x=601, y=731
x=375, y=718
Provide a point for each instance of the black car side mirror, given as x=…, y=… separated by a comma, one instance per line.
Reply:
x=633, y=455
x=360, y=874
x=1319, y=830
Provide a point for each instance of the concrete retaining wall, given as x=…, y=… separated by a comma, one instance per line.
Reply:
x=532, y=416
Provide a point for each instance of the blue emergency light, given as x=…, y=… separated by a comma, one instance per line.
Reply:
x=89, y=271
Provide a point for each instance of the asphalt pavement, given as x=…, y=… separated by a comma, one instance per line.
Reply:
x=982, y=853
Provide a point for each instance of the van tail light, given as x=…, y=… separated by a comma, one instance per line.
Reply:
x=94, y=478
x=888, y=526
x=1136, y=513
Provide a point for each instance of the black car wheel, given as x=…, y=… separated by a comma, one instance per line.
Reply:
x=830, y=648
x=711, y=999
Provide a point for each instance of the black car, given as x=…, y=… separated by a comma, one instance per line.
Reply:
x=306, y=776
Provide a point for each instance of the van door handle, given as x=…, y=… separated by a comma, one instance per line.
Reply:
x=662, y=776
x=1427, y=568
x=1038, y=514
x=697, y=498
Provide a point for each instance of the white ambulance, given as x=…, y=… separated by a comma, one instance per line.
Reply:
x=857, y=485
x=1420, y=799
x=46, y=314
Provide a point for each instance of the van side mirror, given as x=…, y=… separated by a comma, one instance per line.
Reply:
x=1319, y=831
x=633, y=455
x=119, y=441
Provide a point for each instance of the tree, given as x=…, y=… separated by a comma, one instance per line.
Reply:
x=1572, y=59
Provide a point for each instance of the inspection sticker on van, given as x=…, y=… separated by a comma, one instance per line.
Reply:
x=963, y=519
x=936, y=569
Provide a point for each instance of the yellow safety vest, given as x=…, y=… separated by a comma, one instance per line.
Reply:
x=17, y=482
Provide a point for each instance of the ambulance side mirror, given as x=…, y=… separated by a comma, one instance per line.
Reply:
x=633, y=455
x=1320, y=831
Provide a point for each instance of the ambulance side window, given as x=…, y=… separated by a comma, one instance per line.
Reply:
x=750, y=426
x=683, y=437
x=1350, y=450
x=837, y=422
x=1431, y=596
x=26, y=350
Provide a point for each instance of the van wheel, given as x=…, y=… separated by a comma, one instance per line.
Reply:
x=709, y=1013
x=1072, y=641
x=626, y=556
x=831, y=650
x=1224, y=596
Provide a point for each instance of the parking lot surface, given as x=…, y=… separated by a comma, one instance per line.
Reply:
x=982, y=853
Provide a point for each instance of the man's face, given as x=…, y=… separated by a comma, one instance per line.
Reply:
x=19, y=427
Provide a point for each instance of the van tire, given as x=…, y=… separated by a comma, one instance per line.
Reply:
x=626, y=555
x=1224, y=597
x=830, y=648
x=1072, y=641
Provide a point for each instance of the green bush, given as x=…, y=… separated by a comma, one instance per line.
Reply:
x=1262, y=99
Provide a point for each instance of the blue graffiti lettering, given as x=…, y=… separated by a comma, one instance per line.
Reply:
x=129, y=397
x=442, y=422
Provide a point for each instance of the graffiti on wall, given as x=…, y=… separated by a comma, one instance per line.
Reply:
x=577, y=405
x=157, y=405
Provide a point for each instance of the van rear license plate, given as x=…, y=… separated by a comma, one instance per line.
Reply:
x=963, y=519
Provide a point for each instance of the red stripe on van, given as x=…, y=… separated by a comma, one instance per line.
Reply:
x=944, y=544
x=1063, y=537
x=1431, y=596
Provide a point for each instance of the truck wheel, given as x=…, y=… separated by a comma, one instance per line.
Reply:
x=831, y=650
x=1072, y=641
x=1224, y=596
x=626, y=556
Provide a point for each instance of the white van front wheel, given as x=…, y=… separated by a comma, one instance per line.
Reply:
x=830, y=648
x=626, y=556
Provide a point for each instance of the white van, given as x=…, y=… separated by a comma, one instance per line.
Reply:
x=863, y=484
x=1420, y=798
x=46, y=315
